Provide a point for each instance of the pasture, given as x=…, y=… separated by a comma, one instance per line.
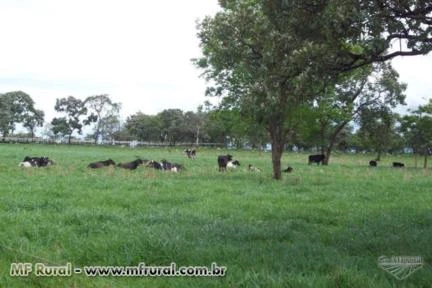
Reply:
x=318, y=227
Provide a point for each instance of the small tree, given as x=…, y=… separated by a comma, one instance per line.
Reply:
x=73, y=109
x=417, y=130
x=33, y=120
x=102, y=110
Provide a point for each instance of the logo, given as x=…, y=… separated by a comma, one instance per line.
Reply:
x=401, y=267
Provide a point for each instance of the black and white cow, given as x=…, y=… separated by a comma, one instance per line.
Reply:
x=36, y=162
x=155, y=165
x=223, y=161
x=190, y=153
x=233, y=164
x=318, y=158
x=174, y=167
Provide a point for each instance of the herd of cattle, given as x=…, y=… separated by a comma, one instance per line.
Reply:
x=224, y=162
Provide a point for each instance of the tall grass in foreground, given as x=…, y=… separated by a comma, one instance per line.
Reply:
x=318, y=227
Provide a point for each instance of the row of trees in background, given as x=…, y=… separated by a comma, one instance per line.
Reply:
x=362, y=119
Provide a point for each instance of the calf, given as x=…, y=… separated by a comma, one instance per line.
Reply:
x=223, y=161
x=373, y=163
x=130, y=165
x=398, y=165
x=318, y=158
x=101, y=164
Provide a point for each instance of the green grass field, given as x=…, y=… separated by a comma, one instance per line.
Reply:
x=318, y=227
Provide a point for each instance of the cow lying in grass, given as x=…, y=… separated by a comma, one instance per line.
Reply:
x=36, y=162
x=101, y=164
x=131, y=165
x=398, y=165
x=165, y=166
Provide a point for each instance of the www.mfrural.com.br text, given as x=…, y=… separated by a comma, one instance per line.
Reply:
x=141, y=270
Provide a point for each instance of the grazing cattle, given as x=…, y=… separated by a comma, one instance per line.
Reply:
x=398, y=165
x=130, y=165
x=318, y=158
x=37, y=161
x=223, y=161
x=101, y=164
x=373, y=163
x=253, y=168
x=289, y=169
x=190, y=153
x=233, y=164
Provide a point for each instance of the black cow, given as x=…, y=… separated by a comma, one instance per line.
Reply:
x=37, y=161
x=289, y=169
x=130, y=165
x=223, y=161
x=373, y=163
x=398, y=165
x=190, y=153
x=318, y=158
x=101, y=164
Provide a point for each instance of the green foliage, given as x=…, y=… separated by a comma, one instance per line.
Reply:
x=18, y=107
x=417, y=129
x=73, y=109
x=104, y=113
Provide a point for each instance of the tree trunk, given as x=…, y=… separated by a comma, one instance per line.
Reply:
x=277, y=142
x=425, y=162
x=327, y=155
x=332, y=141
x=415, y=159
x=69, y=138
x=378, y=158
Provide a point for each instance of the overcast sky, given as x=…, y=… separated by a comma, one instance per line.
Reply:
x=137, y=51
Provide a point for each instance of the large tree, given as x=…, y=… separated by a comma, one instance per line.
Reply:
x=103, y=110
x=17, y=107
x=268, y=57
